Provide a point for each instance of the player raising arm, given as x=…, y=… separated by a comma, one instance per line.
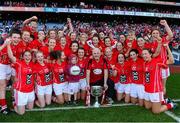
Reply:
x=153, y=83
x=24, y=82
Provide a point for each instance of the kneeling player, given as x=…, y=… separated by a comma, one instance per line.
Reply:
x=137, y=87
x=24, y=84
x=153, y=84
x=122, y=72
x=43, y=77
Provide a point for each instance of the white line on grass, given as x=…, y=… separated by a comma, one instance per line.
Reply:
x=77, y=107
x=172, y=115
x=176, y=100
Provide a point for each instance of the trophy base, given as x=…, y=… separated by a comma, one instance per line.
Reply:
x=96, y=105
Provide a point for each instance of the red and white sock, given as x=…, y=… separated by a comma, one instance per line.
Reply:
x=163, y=102
x=170, y=105
x=3, y=104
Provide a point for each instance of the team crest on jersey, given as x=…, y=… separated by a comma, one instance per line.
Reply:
x=133, y=67
x=60, y=71
x=97, y=71
x=46, y=70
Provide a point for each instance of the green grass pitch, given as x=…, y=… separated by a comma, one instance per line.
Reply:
x=110, y=114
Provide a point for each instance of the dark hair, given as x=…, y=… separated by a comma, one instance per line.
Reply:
x=72, y=33
x=134, y=50
x=15, y=31
x=122, y=54
x=95, y=35
x=121, y=44
x=55, y=54
x=81, y=48
x=106, y=38
x=25, y=52
x=74, y=42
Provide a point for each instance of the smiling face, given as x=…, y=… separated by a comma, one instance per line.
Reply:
x=96, y=53
x=122, y=38
x=140, y=42
x=119, y=46
x=52, y=34
x=73, y=36
x=107, y=42
x=133, y=55
x=108, y=52
x=16, y=38
x=95, y=41
x=146, y=55
x=41, y=35
x=131, y=36
x=40, y=57
x=81, y=53
x=26, y=36
x=155, y=34
x=52, y=43
x=74, y=47
x=27, y=56
x=63, y=41
x=121, y=58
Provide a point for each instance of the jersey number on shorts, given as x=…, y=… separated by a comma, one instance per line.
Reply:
x=122, y=78
x=147, y=75
x=28, y=79
x=61, y=77
x=135, y=75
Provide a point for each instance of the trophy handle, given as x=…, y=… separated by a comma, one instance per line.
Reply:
x=88, y=98
x=103, y=96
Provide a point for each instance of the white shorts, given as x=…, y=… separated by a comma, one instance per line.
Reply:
x=13, y=72
x=44, y=90
x=137, y=91
x=124, y=88
x=165, y=73
x=22, y=99
x=154, y=97
x=73, y=88
x=82, y=84
x=5, y=72
x=60, y=88
x=116, y=86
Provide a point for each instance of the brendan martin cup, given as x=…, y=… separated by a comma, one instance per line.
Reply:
x=96, y=91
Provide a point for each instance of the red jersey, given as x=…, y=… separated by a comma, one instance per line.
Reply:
x=82, y=64
x=25, y=46
x=59, y=73
x=123, y=73
x=96, y=69
x=116, y=52
x=146, y=46
x=65, y=49
x=110, y=63
x=4, y=59
x=18, y=50
x=137, y=71
x=24, y=81
x=35, y=44
x=134, y=44
x=43, y=74
x=163, y=54
x=45, y=50
x=153, y=80
x=29, y=29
